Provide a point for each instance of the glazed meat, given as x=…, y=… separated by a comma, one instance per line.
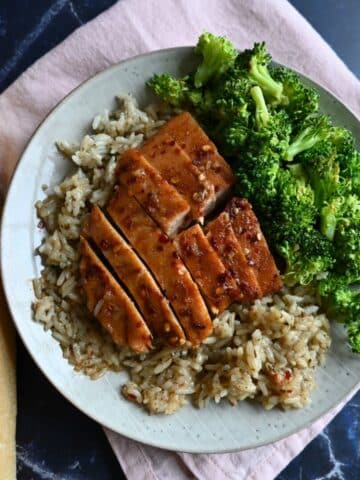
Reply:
x=205, y=266
x=158, y=198
x=159, y=253
x=221, y=236
x=132, y=272
x=252, y=241
x=110, y=304
x=185, y=130
x=175, y=165
x=167, y=273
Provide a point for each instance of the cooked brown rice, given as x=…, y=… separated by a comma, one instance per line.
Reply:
x=267, y=351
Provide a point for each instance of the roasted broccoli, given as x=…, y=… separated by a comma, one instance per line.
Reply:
x=254, y=63
x=341, y=299
x=218, y=55
x=299, y=101
x=314, y=129
x=307, y=255
x=322, y=169
x=347, y=236
x=348, y=157
x=300, y=172
x=170, y=89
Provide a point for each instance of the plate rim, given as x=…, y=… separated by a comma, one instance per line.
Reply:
x=130, y=434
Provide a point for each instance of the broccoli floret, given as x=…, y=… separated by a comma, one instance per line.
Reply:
x=315, y=129
x=350, y=171
x=288, y=215
x=276, y=135
x=284, y=203
x=170, y=89
x=340, y=293
x=348, y=157
x=233, y=137
x=231, y=97
x=341, y=299
x=260, y=134
x=307, y=254
x=353, y=330
x=258, y=184
x=258, y=170
x=299, y=101
x=323, y=170
x=255, y=62
x=341, y=290
x=218, y=55
x=233, y=90
x=343, y=141
x=294, y=208
x=258, y=160
x=256, y=175
x=181, y=93
x=347, y=236
x=265, y=133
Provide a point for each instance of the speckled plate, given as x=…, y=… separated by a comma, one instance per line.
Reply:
x=218, y=428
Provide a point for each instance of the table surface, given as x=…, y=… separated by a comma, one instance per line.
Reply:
x=56, y=441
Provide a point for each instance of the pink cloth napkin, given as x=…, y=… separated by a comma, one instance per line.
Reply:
x=136, y=26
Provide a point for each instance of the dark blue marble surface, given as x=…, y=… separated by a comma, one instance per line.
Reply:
x=55, y=441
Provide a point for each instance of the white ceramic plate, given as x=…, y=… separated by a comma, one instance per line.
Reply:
x=218, y=428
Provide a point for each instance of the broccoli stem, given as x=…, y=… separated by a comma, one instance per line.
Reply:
x=303, y=141
x=262, y=115
x=328, y=222
x=298, y=172
x=260, y=74
x=306, y=139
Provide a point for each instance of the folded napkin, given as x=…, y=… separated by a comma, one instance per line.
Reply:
x=7, y=394
x=135, y=26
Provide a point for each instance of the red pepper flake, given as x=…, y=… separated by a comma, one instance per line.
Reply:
x=120, y=210
x=229, y=247
x=128, y=222
x=187, y=248
x=198, y=325
x=92, y=271
x=163, y=238
x=222, y=277
x=109, y=308
x=288, y=374
x=104, y=244
x=131, y=180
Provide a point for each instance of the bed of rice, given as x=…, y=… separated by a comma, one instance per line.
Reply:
x=266, y=351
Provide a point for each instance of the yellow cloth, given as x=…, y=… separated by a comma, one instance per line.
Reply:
x=7, y=394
